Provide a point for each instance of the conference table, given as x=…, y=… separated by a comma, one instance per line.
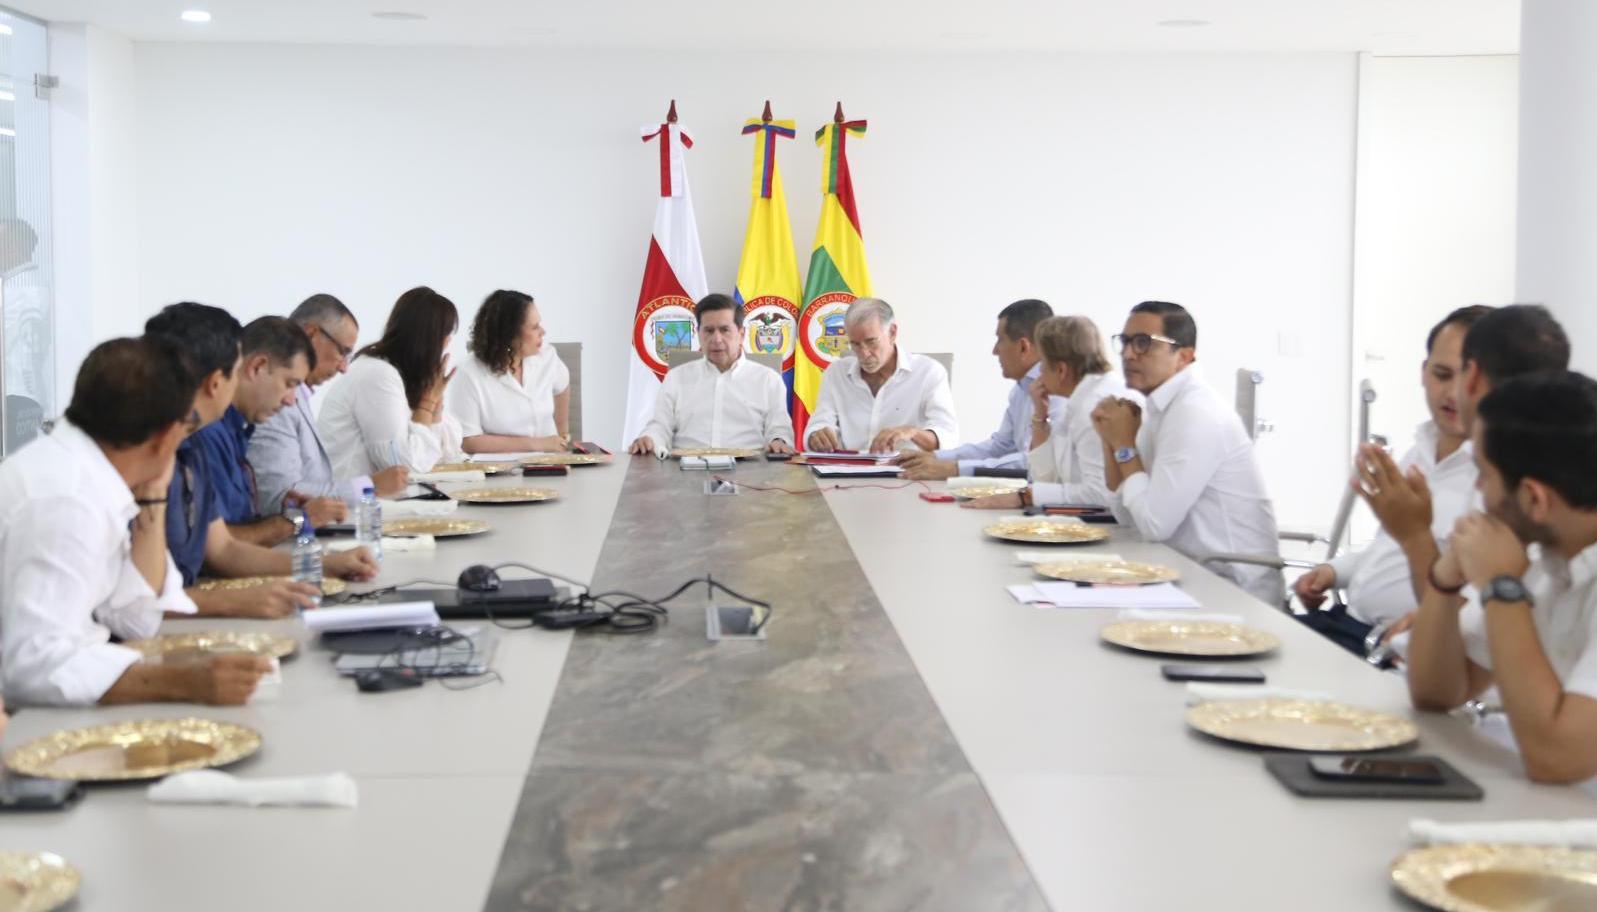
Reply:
x=907, y=736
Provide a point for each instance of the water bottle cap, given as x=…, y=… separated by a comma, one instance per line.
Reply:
x=368, y=491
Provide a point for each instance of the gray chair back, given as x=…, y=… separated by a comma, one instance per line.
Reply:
x=946, y=359
x=570, y=353
x=677, y=357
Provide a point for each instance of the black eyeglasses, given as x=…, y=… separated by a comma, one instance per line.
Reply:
x=1140, y=342
x=343, y=350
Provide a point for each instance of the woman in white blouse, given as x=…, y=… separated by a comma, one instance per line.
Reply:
x=389, y=408
x=514, y=394
x=1066, y=459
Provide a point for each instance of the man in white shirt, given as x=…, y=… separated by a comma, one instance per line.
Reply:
x=286, y=450
x=1004, y=453
x=881, y=396
x=722, y=399
x=1379, y=589
x=1183, y=470
x=83, y=551
x=1529, y=626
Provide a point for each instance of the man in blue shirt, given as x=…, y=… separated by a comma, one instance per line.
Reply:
x=1004, y=453
x=277, y=357
x=196, y=534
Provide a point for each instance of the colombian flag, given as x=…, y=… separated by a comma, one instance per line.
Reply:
x=768, y=278
x=837, y=271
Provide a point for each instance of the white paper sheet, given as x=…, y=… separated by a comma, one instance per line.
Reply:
x=369, y=617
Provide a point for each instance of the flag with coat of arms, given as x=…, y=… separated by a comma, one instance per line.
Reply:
x=768, y=286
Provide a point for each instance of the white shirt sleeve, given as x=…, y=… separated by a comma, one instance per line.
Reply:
x=1092, y=489
x=1158, y=500
x=389, y=436
x=1041, y=463
x=465, y=398
x=778, y=423
x=939, y=409
x=828, y=410
x=1472, y=627
x=1582, y=678
x=134, y=611
x=662, y=427
x=1344, y=565
x=45, y=657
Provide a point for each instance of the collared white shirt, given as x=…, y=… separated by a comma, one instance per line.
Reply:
x=701, y=405
x=1564, y=611
x=1379, y=589
x=488, y=403
x=67, y=579
x=366, y=427
x=1006, y=448
x=917, y=395
x=1068, y=467
x=1202, y=493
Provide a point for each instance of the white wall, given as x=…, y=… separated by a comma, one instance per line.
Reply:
x=1558, y=143
x=1438, y=142
x=1224, y=182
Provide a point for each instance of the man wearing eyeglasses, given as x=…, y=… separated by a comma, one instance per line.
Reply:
x=286, y=450
x=1183, y=470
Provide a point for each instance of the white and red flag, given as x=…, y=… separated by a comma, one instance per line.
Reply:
x=673, y=278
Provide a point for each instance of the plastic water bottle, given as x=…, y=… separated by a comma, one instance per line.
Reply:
x=369, y=523
x=307, y=561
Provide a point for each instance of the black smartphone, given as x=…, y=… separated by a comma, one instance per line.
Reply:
x=26, y=793
x=1224, y=673
x=1416, y=771
x=532, y=470
x=777, y=457
x=383, y=680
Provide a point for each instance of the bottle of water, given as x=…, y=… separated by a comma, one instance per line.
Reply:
x=307, y=561
x=369, y=523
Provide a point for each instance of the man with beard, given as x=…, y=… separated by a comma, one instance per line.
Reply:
x=1530, y=624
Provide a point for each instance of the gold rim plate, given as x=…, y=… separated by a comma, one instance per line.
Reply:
x=191, y=647
x=972, y=492
x=439, y=527
x=1477, y=877
x=1189, y=638
x=36, y=881
x=331, y=585
x=505, y=495
x=1046, y=532
x=567, y=459
x=1108, y=572
x=138, y=749
x=487, y=468
x=1305, y=725
x=714, y=451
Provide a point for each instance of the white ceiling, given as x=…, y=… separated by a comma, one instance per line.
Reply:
x=1424, y=27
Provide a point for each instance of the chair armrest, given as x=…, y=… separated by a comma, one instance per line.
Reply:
x=1312, y=538
x=1258, y=560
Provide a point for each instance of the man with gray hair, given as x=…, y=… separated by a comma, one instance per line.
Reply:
x=881, y=396
x=286, y=451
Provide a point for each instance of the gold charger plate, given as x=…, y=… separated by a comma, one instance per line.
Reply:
x=1189, y=638
x=714, y=451
x=1046, y=532
x=1476, y=877
x=440, y=527
x=566, y=459
x=138, y=749
x=971, y=492
x=505, y=495
x=1305, y=725
x=36, y=882
x=487, y=468
x=331, y=585
x=188, y=647
x=1108, y=572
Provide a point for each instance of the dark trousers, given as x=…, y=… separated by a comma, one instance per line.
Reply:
x=1341, y=628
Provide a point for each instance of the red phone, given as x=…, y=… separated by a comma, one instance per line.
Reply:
x=936, y=497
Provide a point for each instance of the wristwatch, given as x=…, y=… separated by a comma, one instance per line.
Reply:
x=1507, y=589
x=1125, y=454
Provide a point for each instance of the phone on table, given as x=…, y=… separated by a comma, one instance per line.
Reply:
x=1231, y=674
x=936, y=497
x=778, y=457
x=530, y=471
x=1377, y=769
x=26, y=793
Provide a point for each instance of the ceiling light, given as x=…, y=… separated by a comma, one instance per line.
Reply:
x=195, y=16
x=1185, y=23
x=397, y=16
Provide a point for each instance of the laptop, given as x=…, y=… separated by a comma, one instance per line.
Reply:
x=469, y=653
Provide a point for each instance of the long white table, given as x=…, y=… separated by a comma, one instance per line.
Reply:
x=1081, y=749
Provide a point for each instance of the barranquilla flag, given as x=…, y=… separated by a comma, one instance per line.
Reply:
x=673, y=278
x=837, y=272
x=768, y=278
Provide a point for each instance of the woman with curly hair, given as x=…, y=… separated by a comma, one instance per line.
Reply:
x=514, y=394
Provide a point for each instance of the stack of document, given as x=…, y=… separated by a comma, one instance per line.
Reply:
x=372, y=617
x=882, y=470
x=1070, y=595
x=847, y=457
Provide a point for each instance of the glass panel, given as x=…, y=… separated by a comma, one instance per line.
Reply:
x=28, y=354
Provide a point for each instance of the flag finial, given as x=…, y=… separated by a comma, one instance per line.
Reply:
x=671, y=115
x=766, y=117
x=837, y=116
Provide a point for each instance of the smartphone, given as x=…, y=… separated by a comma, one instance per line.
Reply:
x=936, y=497
x=533, y=470
x=778, y=457
x=1414, y=771
x=1223, y=673
x=25, y=793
